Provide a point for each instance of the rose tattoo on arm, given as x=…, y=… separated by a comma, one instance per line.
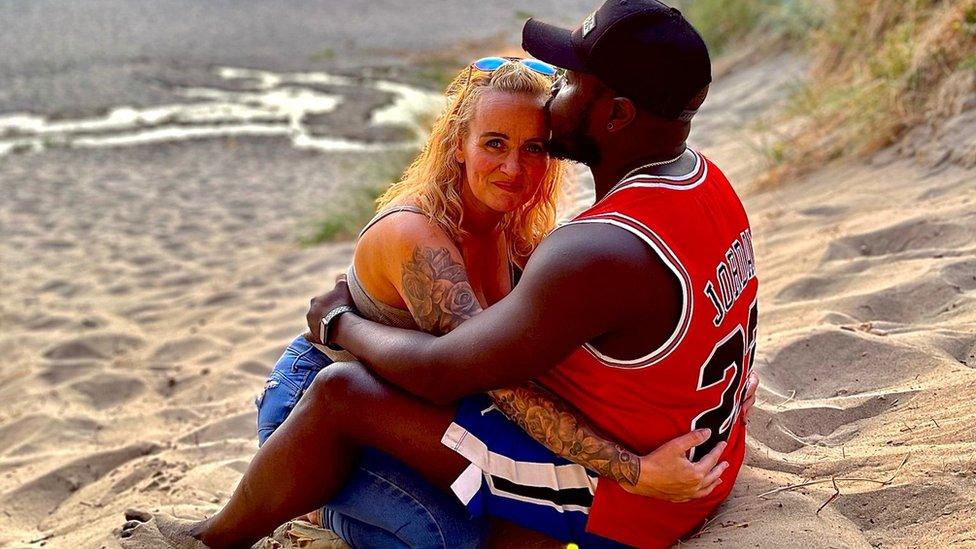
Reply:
x=437, y=290
x=440, y=297
x=552, y=422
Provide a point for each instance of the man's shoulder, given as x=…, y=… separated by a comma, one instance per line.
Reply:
x=597, y=253
x=594, y=240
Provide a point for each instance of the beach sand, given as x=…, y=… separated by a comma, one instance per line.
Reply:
x=148, y=290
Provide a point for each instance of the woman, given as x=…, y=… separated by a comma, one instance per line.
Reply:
x=485, y=229
x=477, y=200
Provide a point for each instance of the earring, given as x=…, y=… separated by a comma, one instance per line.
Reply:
x=610, y=126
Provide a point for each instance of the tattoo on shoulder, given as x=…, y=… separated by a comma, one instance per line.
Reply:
x=437, y=290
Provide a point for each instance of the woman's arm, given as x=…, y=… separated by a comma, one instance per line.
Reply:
x=434, y=285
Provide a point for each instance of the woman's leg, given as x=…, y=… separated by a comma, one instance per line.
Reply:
x=308, y=461
x=384, y=504
x=292, y=375
x=288, y=381
x=385, y=494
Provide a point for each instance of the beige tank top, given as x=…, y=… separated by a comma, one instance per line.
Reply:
x=369, y=307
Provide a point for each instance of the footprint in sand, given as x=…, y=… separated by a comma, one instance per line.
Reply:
x=969, y=357
x=961, y=274
x=56, y=244
x=182, y=279
x=914, y=235
x=45, y=323
x=39, y=497
x=834, y=362
x=221, y=298
x=143, y=259
x=240, y=426
x=254, y=368
x=824, y=211
x=184, y=349
x=95, y=346
x=119, y=289
x=897, y=507
x=814, y=287
x=56, y=373
x=107, y=390
x=905, y=303
x=794, y=425
x=40, y=433
x=62, y=288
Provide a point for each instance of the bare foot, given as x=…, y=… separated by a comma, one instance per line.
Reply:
x=145, y=530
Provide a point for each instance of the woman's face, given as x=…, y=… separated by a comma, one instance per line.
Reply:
x=504, y=153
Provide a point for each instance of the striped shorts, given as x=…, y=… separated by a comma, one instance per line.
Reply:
x=515, y=478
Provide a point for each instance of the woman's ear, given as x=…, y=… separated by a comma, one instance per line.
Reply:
x=459, y=150
x=622, y=114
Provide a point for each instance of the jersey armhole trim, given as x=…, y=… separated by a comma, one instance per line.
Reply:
x=662, y=250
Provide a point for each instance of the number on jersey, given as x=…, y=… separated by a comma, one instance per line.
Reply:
x=733, y=353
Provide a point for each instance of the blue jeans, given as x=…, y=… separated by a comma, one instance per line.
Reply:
x=384, y=503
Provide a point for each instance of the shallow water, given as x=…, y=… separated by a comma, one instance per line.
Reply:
x=270, y=104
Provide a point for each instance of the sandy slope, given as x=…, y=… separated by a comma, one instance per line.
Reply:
x=147, y=291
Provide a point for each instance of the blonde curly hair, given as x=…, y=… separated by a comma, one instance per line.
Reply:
x=433, y=180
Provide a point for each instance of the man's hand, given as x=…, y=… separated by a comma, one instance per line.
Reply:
x=668, y=474
x=322, y=304
x=751, y=385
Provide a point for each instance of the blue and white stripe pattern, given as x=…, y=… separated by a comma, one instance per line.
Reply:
x=515, y=478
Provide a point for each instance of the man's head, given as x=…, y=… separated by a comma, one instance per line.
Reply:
x=632, y=66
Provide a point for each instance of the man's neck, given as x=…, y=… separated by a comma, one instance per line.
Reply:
x=614, y=167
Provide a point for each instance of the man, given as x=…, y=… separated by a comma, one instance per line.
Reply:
x=640, y=313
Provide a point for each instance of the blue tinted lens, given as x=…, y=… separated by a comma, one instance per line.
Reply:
x=540, y=67
x=489, y=63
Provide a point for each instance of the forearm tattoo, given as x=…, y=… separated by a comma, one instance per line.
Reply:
x=437, y=290
x=440, y=297
x=550, y=420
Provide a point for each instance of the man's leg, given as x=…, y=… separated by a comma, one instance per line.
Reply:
x=306, y=461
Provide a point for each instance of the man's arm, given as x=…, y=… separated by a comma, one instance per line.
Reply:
x=665, y=473
x=579, y=284
x=437, y=291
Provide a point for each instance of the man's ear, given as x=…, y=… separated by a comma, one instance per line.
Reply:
x=622, y=114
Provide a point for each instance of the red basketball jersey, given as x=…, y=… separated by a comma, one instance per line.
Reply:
x=697, y=226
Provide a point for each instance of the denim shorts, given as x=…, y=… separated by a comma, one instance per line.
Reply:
x=384, y=503
x=292, y=375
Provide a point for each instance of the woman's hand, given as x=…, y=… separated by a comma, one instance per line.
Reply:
x=668, y=474
x=751, y=385
x=321, y=305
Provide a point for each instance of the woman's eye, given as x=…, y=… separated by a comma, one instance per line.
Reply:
x=535, y=148
x=494, y=143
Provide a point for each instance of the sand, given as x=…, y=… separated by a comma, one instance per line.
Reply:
x=148, y=290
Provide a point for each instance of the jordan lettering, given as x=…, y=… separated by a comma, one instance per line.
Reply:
x=732, y=275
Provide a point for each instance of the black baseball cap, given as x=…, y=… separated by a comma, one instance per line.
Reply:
x=642, y=49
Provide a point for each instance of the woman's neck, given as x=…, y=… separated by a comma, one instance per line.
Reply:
x=478, y=220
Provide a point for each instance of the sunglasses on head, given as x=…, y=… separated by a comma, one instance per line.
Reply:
x=489, y=64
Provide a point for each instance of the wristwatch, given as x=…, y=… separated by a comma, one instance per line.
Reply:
x=326, y=320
